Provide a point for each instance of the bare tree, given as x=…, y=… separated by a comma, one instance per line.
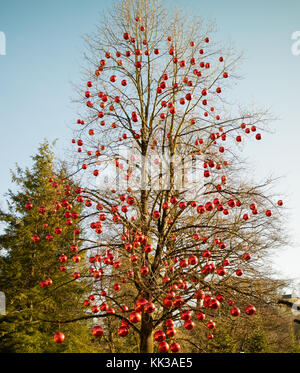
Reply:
x=175, y=219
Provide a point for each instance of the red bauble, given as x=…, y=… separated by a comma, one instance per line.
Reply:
x=171, y=332
x=169, y=323
x=173, y=200
x=214, y=304
x=148, y=248
x=193, y=260
x=63, y=258
x=134, y=258
x=76, y=275
x=123, y=331
x=159, y=336
x=144, y=271
x=235, y=312
x=239, y=272
x=250, y=310
x=211, y=324
x=182, y=205
x=247, y=256
x=59, y=337
x=140, y=304
x=86, y=303
x=221, y=271
x=76, y=258
x=268, y=213
x=58, y=230
x=97, y=331
x=29, y=206
x=156, y=214
x=135, y=317
x=175, y=347
x=183, y=263
x=189, y=324
x=200, y=316
x=220, y=298
x=43, y=283
x=186, y=315
x=104, y=307
x=163, y=347
x=117, y=287
x=35, y=239
x=95, y=309
x=150, y=307
x=199, y=294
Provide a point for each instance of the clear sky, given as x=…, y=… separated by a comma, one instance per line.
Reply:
x=44, y=49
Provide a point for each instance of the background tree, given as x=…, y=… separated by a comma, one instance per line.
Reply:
x=30, y=266
x=173, y=215
x=271, y=329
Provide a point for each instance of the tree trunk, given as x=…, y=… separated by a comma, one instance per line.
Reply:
x=146, y=338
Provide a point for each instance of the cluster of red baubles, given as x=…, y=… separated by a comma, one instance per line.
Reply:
x=247, y=131
x=63, y=209
x=64, y=204
x=171, y=300
x=133, y=241
x=45, y=283
x=137, y=61
x=161, y=336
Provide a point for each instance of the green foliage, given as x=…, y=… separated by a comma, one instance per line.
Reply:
x=257, y=342
x=223, y=342
x=25, y=263
x=294, y=342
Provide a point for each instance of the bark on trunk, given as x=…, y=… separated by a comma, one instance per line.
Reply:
x=146, y=339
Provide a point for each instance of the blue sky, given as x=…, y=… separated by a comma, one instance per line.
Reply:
x=44, y=49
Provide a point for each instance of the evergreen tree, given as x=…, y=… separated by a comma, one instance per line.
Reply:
x=29, y=254
x=223, y=342
x=257, y=342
